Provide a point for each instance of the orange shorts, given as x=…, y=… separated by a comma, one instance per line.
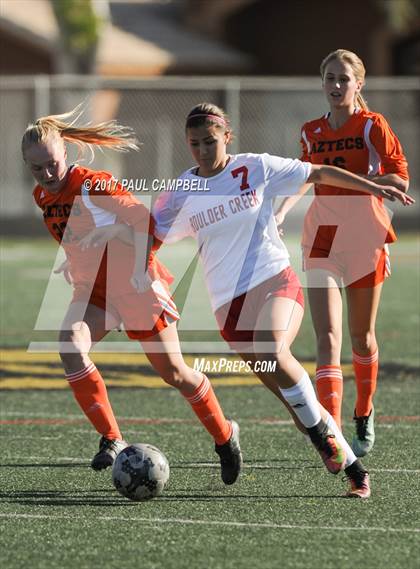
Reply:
x=285, y=284
x=142, y=314
x=351, y=268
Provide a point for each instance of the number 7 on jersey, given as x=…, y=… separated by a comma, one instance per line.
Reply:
x=244, y=171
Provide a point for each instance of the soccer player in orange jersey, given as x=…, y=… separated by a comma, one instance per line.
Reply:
x=346, y=236
x=107, y=282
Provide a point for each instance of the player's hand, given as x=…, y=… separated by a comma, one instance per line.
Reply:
x=99, y=236
x=280, y=217
x=141, y=280
x=392, y=194
x=65, y=269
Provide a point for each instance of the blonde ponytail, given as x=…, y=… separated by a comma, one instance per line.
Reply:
x=360, y=102
x=106, y=134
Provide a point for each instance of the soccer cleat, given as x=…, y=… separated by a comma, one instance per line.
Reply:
x=330, y=450
x=108, y=451
x=359, y=485
x=230, y=456
x=364, y=438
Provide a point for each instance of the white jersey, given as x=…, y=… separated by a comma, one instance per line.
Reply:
x=233, y=221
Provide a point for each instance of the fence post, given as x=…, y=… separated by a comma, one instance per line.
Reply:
x=233, y=103
x=42, y=102
x=165, y=166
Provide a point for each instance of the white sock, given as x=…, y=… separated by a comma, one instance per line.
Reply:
x=350, y=456
x=301, y=397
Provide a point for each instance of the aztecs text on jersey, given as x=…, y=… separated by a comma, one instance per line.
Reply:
x=364, y=145
x=88, y=200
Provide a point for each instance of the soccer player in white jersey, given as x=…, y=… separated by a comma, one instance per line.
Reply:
x=256, y=297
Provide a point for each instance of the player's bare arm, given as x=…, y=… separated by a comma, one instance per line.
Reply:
x=391, y=180
x=65, y=269
x=288, y=203
x=332, y=176
x=141, y=279
x=101, y=235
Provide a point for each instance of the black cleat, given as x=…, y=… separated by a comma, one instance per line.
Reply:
x=359, y=481
x=108, y=451
x=230, y=456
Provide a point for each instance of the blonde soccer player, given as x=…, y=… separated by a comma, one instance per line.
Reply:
x=255, y=295
x=358, y=140
x=75, y=200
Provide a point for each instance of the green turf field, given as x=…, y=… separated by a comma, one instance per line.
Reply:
x=285, y=511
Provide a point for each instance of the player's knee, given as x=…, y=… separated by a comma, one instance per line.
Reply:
x=69, y=339
x=72, y=344
x=282, y=358
x=363, y=341
x=175, y=375
x=276, y=357
x=329, y=343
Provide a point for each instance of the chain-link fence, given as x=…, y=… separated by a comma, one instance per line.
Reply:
x=266, y=115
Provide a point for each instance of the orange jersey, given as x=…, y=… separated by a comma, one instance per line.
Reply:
x=92, y=199
x=365, y=145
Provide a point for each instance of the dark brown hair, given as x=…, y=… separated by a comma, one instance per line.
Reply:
x=208, y=114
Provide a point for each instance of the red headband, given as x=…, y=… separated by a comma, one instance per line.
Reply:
x=208, y=116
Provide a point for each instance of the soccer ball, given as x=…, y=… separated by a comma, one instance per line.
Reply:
x=140, y=472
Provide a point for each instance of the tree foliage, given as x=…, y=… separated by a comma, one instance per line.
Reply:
x=80, y=29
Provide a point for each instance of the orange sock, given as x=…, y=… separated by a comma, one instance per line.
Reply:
x=329, y=387
x=366, y=372
x=207, y=408
x=90, y=392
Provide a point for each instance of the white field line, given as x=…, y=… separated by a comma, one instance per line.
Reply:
x=29, y=438
x=392, y=425
x=63, y=416
x=130, y=432
x=180, y=521
x=270, y=422
x=39, y=414
x=274, y=467
x=255, y=466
